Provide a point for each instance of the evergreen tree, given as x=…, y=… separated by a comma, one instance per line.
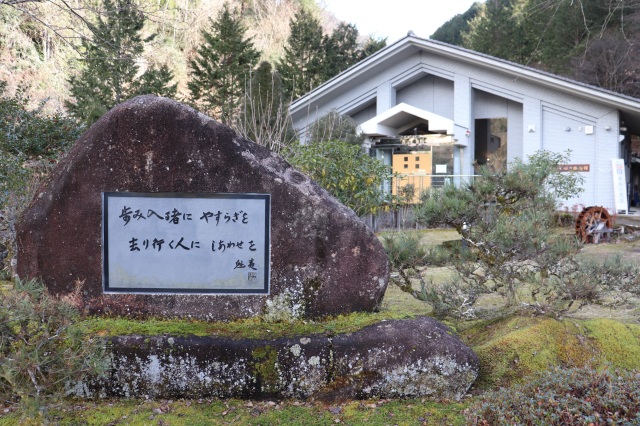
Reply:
x=341, y=50
x=452, y=30
x=311, y=58
x=593, y=41
x=500, y=30
x=222, y=66
x=110, y=68
x=302, y=68
x=371, y=46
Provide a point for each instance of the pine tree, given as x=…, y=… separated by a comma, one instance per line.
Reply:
x=222, y=66
x=452, y=30
x=110, y=68
x=302, y=69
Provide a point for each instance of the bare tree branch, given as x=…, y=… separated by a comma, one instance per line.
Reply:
x=12, y=2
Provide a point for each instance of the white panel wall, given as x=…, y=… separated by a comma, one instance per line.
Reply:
x=486, y=105
x=418, y=94
x=430, y=93
x=463, y=118
x=357, y=92
x=608, y=146
x=443, y=103
x=364, y=115
x=386, y=97
x=561, y=132
x=514, y=131
x=531, y=126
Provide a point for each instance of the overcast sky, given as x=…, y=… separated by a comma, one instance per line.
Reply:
x=394, y=18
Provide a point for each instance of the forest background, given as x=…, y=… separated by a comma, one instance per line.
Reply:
x=41, y=43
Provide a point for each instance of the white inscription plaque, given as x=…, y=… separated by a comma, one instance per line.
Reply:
x=185, y=243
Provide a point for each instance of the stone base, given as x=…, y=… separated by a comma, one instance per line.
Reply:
x=398, y=358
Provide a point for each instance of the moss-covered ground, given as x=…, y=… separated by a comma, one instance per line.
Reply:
x=510, y=350
x=241, y=412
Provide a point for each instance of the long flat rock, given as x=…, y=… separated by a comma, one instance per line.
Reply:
x=396, y=358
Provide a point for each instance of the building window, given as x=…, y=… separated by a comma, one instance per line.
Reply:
x=417, y=166
x=417, y=158
x=406, y=166
x=406, y=158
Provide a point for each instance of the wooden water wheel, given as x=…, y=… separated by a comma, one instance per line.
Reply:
x=592, y=223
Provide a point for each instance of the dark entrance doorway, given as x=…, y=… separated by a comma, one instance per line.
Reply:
x=491, y=143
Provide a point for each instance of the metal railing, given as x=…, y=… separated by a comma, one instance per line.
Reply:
x=422, y=182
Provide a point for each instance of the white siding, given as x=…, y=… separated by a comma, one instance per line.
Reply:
x=443, y=97
x=419, y=94
x=487, y=105
x=514, y=131
x=531, y=126
x=563, y=131
x=430, y=93
x=463, y=118
x=345, y=99
x=365, y=114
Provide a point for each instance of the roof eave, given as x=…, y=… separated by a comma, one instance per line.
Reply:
x=517, y=71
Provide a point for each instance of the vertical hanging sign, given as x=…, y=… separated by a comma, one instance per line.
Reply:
x=176, y=243
x=620, y=185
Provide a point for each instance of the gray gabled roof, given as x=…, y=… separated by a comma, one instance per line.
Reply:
x=411, y=43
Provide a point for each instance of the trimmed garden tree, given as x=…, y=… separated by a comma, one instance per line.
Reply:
x=506, y=221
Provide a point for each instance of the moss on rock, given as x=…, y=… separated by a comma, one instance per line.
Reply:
x=266, y=368
x=252, y=328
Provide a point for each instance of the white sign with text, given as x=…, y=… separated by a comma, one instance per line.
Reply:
x=180, y=243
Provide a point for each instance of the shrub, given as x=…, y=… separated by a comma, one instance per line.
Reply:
x=564, y=219
x=42, y=350
x=334, y=126
x=577, y=396
x=346, y=172
x=32, y=133
x=608, y=281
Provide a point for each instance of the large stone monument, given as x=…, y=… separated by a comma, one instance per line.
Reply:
x=161, y=211
x=150, y=169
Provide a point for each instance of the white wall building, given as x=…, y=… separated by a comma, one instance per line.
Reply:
x=490, y=109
